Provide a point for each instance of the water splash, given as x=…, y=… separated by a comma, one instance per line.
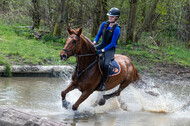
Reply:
x=41, y=96
x=133, y=99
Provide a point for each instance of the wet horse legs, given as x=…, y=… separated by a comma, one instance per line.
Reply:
x=122, y=86
x=65, y=103
x=83, y=97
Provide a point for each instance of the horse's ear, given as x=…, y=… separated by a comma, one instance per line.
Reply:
x=69, y=31
x=79, y=31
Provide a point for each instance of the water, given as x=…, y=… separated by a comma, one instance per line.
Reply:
x=41, y=96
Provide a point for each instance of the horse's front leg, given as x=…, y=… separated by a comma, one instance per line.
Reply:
x=65, y=103
x=83, y=97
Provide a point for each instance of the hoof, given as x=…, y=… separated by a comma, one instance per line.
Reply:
x=74, y=108
x=65, y=104
x=102, y=101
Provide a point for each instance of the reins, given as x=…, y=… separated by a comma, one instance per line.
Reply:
x=79, y=73
x=86, y=55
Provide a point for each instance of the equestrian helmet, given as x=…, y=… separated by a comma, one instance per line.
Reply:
x=114, y=12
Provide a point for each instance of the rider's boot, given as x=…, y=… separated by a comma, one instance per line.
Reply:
x=103, y=85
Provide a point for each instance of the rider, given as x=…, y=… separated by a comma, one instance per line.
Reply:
x=110, y=32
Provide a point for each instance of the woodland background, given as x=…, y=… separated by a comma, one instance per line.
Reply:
x=155, y=34
x=157, y=18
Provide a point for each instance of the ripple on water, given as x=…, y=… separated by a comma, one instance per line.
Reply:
x=41, y=96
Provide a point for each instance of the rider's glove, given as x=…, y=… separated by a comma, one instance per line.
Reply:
x=99, y=52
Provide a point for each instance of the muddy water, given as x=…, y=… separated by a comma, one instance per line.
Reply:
x=41, y=96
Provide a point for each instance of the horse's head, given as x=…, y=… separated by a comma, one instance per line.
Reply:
x=72, y=43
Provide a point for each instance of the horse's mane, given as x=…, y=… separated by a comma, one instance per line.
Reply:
x=88, y=43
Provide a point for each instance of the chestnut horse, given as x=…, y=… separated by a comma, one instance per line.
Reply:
x=87, y=75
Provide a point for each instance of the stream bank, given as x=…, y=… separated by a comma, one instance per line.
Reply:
x=38, y=71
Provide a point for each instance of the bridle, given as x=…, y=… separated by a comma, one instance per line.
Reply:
x=73, y=49
x=79, y=73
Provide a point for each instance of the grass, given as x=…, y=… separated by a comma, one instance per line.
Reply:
x=145, y=56
x=179, y=55
x=20, y=50
x=7, y=65
x=17, y=46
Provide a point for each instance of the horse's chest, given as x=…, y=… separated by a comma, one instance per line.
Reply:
x=80, y=84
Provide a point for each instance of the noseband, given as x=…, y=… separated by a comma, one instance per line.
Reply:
x=79, y=73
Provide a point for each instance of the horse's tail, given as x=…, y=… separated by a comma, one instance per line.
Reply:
x=136, y=75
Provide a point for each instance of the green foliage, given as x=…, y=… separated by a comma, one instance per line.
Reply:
x=19, y=50
x=161, y=48
x=52, y=38
x=178, y=55
x=22, y=31
x=8, y=70
x=146, y=55
x=5, y=62
x=128, y=47
x=129, y=42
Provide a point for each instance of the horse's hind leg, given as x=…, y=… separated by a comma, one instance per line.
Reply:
x=122, y=86
x=102, y=101
x=65, y=103
x=116, y=93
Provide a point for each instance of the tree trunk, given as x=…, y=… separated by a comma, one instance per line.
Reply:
x=104, y=10
x=187, y=17
x=143, y=11
x=4, y=6
x=131, y=20
x=189, y=25
x=121, y=3
x=80, y=22
x=96, y=18
x=184, y=28
x=185, y=35
x=59, y=25
x=147, y=21
x=36, y=14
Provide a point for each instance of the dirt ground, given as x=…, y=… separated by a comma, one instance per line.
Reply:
x=170, y=72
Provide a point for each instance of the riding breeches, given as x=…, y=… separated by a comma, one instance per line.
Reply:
x=108, y=56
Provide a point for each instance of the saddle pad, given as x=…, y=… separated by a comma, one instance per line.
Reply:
x=114, y=68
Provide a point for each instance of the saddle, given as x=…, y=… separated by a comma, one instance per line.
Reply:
x=114, y=67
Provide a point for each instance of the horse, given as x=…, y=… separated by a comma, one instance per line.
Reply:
x=87, y=75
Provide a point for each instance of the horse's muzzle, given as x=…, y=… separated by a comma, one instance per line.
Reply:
x=63, y=57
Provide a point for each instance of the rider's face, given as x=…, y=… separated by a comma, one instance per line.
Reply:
x=112, y=18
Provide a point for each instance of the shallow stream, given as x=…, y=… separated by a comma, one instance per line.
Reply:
x=41, y=96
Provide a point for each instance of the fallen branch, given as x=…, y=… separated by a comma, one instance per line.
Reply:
x=12, y=117
x=182, y=72
x=37, y=35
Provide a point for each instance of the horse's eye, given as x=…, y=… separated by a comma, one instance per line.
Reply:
x=74, y=41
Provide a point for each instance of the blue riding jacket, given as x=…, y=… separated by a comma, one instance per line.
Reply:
x=115, y=37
